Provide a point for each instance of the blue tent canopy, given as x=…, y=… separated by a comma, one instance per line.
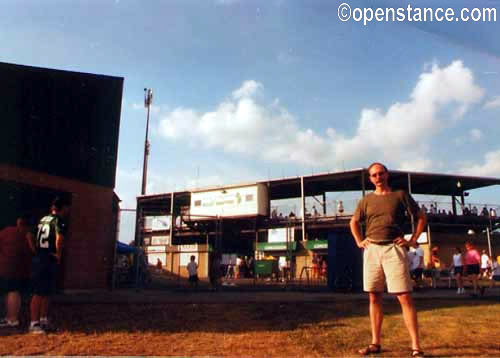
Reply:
x=122, y=248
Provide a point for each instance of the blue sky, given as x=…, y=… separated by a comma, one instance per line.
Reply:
x=247, y=90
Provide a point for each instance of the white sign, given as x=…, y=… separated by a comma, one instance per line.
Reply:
x=422, y=239
x=188, y=248
x=159, y=223
x=156, y=248
x=279, y=235
x=186, y=257
x=159, y=240
x=240, y=201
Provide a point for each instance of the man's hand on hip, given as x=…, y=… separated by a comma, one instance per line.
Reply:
x=400, y=241
x=363, y=244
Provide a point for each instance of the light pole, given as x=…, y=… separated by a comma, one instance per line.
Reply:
x=488, y=237
x=148, y=99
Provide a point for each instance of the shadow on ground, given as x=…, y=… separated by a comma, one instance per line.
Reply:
x=220, y=317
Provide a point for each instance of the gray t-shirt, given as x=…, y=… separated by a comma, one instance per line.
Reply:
x=384, y=215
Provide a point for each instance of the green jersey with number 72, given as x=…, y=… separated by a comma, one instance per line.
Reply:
x=48, y=228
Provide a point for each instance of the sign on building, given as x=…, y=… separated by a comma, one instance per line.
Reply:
x=422, y=239
x=159, y=240
x=185, y=257
x=160, y=248
x=280, y=235
x=159, y=223
x=239, y=201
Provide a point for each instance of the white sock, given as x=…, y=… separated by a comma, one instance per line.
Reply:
x=33, y=323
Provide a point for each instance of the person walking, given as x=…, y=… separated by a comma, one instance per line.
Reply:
x=15, y=268
x=192, y=268
x=457, y=266
x=45, y=266
x=472, y=260
x=385, y=256
x=485, y=264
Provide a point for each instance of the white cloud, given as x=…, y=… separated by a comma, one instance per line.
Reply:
x=248, y=89
x=490, y=166
x=179, y=123
x=475, y=134
x=399, y=135
x=403, y=131
x=493, y=103
x=417, y=165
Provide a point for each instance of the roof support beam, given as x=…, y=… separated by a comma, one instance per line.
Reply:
x=303, y=201
x=172, y=221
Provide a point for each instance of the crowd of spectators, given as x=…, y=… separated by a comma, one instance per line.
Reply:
x=432, y=209
x=312, y=213
x=470, y=210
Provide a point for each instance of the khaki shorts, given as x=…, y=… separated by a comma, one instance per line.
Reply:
x=386, y=263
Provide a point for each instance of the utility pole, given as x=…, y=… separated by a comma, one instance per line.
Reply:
x=148, y=99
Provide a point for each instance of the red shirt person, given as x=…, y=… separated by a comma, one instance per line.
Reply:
x=15, y=268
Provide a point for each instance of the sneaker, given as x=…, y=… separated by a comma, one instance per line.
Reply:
x=5, y=323
x=459, y=291
x=37, y=329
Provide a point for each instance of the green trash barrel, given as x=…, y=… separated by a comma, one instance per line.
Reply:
x=264, y=267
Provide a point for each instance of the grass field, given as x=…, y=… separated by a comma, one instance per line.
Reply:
x=448, y=328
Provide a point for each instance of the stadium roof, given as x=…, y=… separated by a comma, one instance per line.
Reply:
x=356, y=180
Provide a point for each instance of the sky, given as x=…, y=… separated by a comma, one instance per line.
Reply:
x=251, y=90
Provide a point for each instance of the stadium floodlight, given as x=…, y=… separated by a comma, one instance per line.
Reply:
x=148, y=100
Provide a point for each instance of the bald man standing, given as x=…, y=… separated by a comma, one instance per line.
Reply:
x=385, y=255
